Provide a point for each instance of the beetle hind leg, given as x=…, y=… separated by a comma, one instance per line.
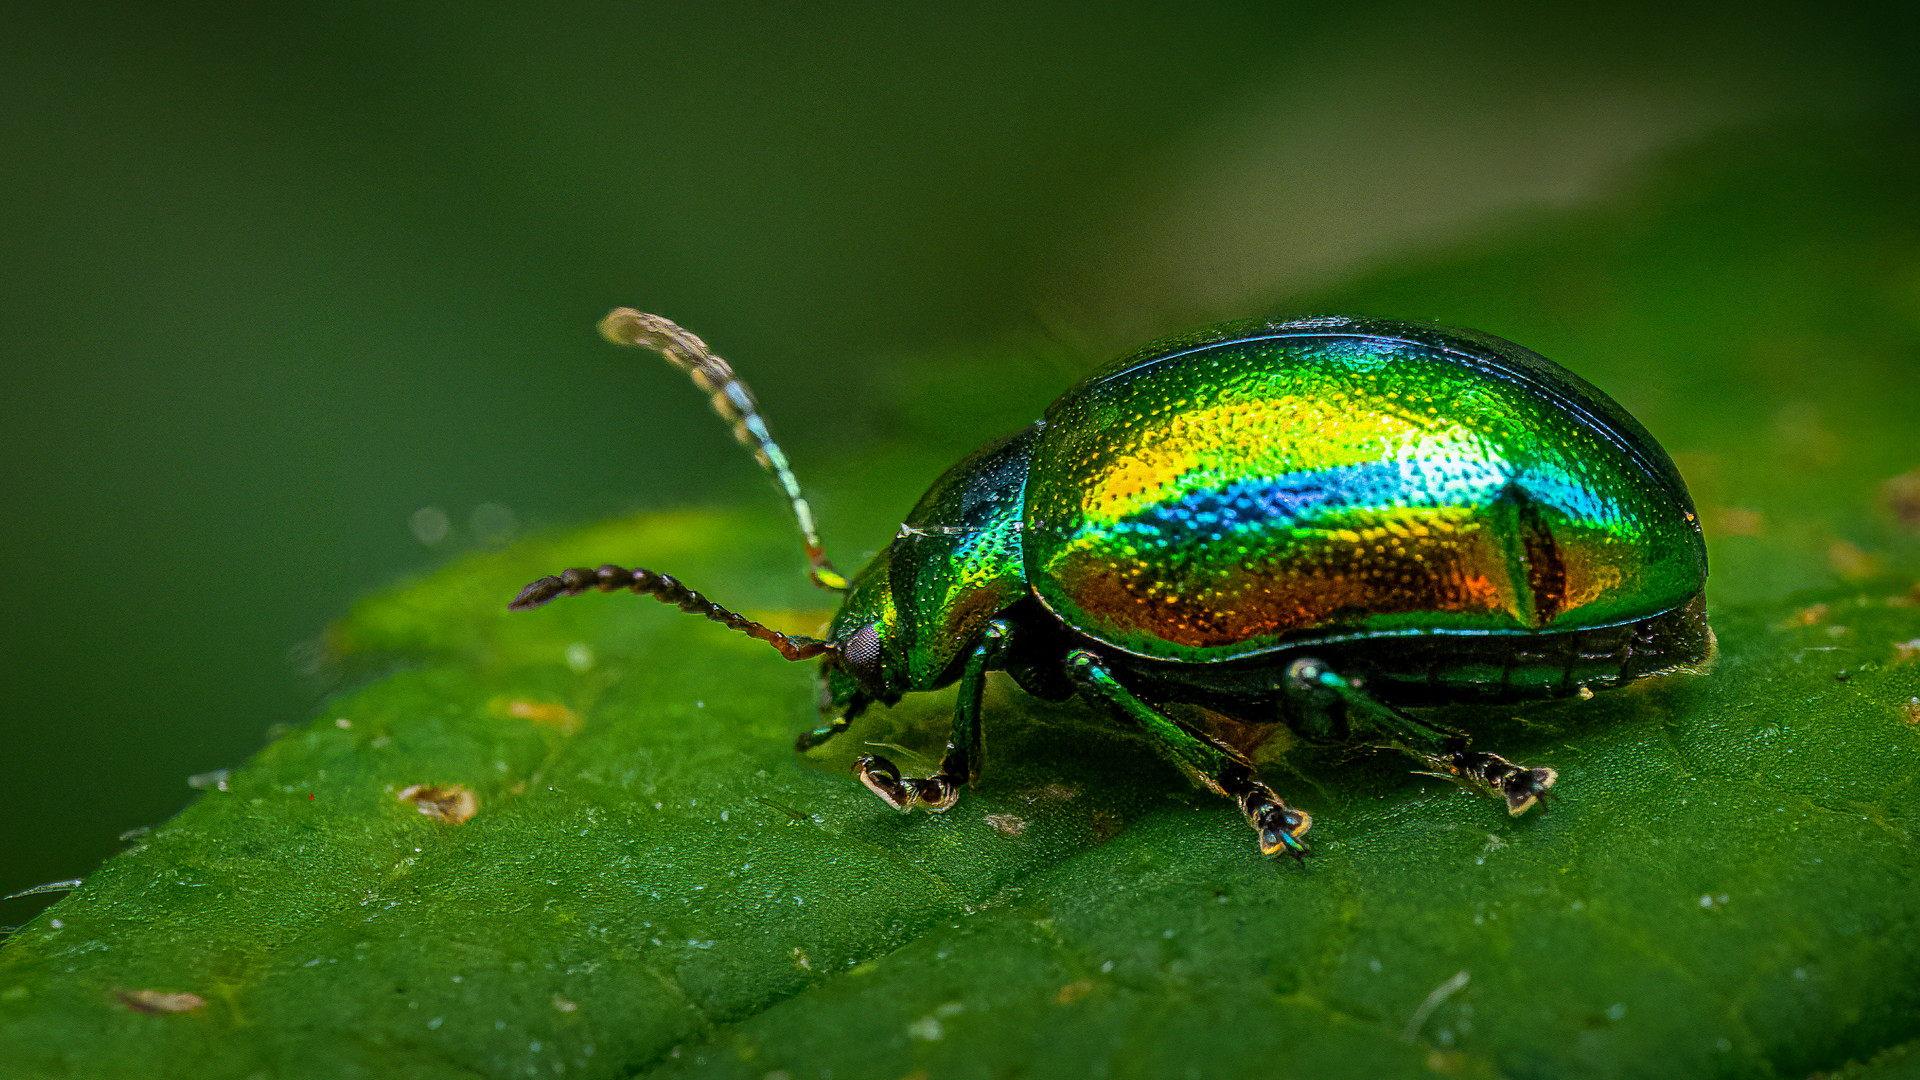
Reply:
x=1279, y=826
x=1520, y=786
x=1313, y=686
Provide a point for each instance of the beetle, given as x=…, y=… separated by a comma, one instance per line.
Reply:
x=1320, y=523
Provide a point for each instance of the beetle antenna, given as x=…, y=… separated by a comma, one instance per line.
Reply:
x=668, y=590
x=735, y=404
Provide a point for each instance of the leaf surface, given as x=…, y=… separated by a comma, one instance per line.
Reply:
x=654, y=884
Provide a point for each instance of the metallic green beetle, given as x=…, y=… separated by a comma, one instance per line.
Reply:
x=1318, y=523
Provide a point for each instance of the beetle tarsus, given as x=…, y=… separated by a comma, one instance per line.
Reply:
x=883, y=779
x=1520, y=786
x=1279, y=826
x=937, y=792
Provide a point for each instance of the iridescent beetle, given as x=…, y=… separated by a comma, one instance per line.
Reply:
x=1318, y=523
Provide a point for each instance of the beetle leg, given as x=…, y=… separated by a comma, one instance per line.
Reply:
x=1208, y=763
x=961, y=763
x=903, y=793
x=1520, y=786
x=807, y=740
x=1313, y=687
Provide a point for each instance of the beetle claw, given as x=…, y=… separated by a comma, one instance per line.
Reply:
x=1521, y=787
x=1280, y=829
x=1525, y=787
x=883, y=779
x=937, y=793
x=1279, y=826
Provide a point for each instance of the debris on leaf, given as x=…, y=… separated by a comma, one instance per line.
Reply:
x=153, y=1002
x=1812, y=615
x=1737, y=521
x=1902, y=498
x=1850, y=562
x=216, y=780
x=540, y=712
x=450, y=805
x=1007, y=823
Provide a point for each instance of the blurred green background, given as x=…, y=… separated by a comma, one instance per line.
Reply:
x=299, y=297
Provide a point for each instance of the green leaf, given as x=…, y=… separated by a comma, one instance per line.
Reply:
x=653, y=883
x=1730, y=873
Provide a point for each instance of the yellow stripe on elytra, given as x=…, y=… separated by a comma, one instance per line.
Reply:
x=1274, y=437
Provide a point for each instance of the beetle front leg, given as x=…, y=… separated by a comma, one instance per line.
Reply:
x=961, y=763
x=1208, y=763
x=1313, y=685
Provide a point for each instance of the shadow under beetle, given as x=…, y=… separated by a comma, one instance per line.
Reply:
x=1316, y=523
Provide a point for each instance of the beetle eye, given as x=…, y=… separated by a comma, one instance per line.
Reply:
x=862, y=651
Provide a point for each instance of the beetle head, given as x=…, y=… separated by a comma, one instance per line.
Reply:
x=868, y=662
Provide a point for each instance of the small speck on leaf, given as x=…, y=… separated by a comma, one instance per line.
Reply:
x=1007, y=823
x=49, y=887
x=215, y=780
x=1738, y=521
x=1073, y=992
x=154, y=1002
x=550, y=713
x=1052, y=793
x=1901, y=496
x=1810, y=616
x=1850, y=562
x=451, y=805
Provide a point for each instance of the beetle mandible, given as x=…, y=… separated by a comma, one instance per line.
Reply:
x=1321, y=523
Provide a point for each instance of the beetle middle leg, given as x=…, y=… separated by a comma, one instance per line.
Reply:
x=961, y=763
x=1313, y=686
x=1207, y=762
